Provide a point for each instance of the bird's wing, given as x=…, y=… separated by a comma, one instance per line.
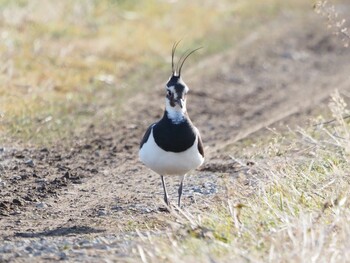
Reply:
x=200, y=145
x=146, y=136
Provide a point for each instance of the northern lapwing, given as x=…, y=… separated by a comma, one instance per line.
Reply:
x=173, y=145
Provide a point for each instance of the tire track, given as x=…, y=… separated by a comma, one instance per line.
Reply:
x=286, y=67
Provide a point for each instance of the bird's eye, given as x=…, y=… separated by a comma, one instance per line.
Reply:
x=168, y=93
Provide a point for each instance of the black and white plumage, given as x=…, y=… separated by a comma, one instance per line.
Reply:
x=173, y=146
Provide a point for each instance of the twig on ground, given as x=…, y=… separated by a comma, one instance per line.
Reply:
x=331, y=121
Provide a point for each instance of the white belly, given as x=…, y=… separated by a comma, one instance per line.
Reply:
x=169, y=163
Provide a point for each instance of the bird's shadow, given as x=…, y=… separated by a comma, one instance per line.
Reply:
x=61, y=231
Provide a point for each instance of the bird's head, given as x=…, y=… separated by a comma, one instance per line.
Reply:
x=176, y=91
x=176, y=88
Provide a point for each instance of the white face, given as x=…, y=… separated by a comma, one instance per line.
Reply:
x=176, y=96
x=175, y=102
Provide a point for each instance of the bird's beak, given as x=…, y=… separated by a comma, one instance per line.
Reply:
x=180, y=102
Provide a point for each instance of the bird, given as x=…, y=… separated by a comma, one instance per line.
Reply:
x=173, y=145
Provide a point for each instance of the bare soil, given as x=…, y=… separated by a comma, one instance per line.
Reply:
x=97, y=185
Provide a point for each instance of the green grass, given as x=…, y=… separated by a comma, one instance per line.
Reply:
x=60, y=58
x=295, y=208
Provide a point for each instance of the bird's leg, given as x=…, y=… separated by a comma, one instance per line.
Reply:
x=180, y=190
x=166, y=199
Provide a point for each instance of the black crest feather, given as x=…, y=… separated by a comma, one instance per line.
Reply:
x=183, y=61
x=183, y=58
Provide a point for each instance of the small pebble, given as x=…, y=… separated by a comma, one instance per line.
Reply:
x=62, y=256
x=102, y=212
x=41, y=180
x=17, y=201
x=29, y=249
x=2, y=183
x=117, y=208
x=94, y=171
x=41, y=205
x=29, y=162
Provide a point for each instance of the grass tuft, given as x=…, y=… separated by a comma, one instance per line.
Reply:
x=296, y=206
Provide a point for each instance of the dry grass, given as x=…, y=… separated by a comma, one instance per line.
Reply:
x=294, y=207
x=335, y=21
x=62, y=62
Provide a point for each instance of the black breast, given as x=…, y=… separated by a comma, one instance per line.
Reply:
x=174, y=137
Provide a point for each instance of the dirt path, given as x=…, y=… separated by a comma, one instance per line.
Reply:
x=98, y=185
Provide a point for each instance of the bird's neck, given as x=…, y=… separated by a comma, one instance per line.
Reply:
x=176, y=114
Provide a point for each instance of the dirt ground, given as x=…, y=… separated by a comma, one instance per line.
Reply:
x=97, y=185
